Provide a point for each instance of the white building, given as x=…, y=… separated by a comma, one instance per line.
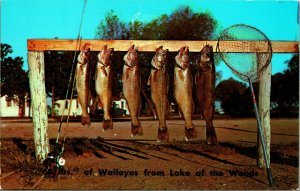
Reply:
x=121, y=104
x=60, y=106
x=12, y=109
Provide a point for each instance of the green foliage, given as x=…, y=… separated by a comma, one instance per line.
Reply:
x=285, y=88
x=136, y=29
x=182, y=24
x=5, y=50
x=57, y=73
x=235, y=97
x=14, y=80
x=116, y=30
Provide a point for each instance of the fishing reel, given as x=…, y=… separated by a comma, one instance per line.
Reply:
x=54, y=163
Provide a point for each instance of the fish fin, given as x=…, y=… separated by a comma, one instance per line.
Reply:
x=100, y=103
x=95, y=75
x=94, y=104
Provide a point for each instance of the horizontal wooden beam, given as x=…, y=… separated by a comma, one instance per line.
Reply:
x=151, y=45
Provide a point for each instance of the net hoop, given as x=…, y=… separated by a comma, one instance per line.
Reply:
x=260, y=59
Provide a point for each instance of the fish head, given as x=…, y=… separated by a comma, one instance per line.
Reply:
x=182, y=58
x=85, y=51
x=161, y=57
x=206, y=53
x=131, y=57
x=105, y=55
x=206, y=58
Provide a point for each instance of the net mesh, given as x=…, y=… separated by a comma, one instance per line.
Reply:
x=246, y=50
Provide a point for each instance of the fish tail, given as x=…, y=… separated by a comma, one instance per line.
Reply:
x=136, y=129
x=190, y=133
x=85, y=121
x=163, y=135
x=107, y=124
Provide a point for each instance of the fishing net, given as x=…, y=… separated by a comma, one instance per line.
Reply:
x=245, y=50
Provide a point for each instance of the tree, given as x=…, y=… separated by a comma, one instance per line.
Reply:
x=112, y=28
x=292, y=74
x=5, y=50
x=181, y=24
x=58, y=67
x=14, y=80
x=235, y=97
x=184, y=24
x=136, y=30
x=285, y=88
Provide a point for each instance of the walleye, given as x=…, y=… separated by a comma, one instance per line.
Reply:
x=131, y=88
x=159, y=80
x=103, y=85
x=205, y=82
x=82, y=83
x=183, y=90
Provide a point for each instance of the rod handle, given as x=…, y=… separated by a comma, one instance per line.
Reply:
x=270, y=177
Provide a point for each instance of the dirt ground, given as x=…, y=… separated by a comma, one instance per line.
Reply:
x=113, y=160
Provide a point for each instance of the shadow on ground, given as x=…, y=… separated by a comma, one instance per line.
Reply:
x=276, y=156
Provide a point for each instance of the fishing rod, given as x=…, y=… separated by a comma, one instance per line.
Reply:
x=54, y=163
x=78, y=43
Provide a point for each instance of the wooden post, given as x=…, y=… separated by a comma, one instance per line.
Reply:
x=39, y=105
x=264, y=113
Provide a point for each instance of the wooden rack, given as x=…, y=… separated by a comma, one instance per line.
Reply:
x=36, y=48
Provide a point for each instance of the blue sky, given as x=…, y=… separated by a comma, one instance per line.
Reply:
x=27, y=19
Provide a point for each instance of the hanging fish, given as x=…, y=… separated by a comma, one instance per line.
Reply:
x=183, y=90
x=131, y=81
x=159, y=81
x=103, y=85
x=205, y=84
x=82, y=83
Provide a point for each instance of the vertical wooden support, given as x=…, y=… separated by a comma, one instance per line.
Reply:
x=264, y=112
x=39, y=105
